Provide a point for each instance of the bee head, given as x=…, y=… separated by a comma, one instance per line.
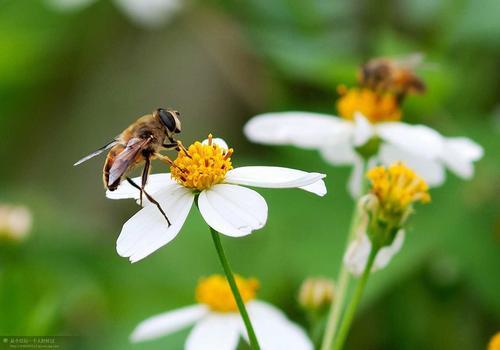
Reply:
x=170, y=119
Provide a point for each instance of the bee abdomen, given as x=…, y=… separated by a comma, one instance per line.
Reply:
x=108, y=163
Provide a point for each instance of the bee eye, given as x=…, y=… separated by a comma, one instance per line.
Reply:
x=167, y=119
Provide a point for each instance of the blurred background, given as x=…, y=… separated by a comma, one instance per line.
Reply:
x=73, y=74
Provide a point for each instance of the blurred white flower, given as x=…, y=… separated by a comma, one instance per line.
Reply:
x=149, y=13
x=218, y=325
x=15, y=222
x=206, y=173
x=376, y=134
x=316, y=293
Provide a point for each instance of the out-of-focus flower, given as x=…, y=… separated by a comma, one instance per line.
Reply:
x=494, y=343
x=316, y=293
x=149, y=13
x=369, y=127
x=384, y=213
x=15, y=222
x=217, y=323
x=205, y=173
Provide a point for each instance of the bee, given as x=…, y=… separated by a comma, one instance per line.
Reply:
x=396, y=76
x=140, y=143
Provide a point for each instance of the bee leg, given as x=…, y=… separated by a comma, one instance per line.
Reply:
x=151, y=199
x=172, y=145
x=184, y=149
x=144, y=178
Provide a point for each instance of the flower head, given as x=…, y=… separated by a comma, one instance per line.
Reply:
x=494, y=343
x=214, y=291
x=316, y=293
x=396, y=188
x=217, y=323
x=376, y=107
x=205, y=173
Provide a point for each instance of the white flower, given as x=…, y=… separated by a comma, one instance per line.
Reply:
x=420, y=147
x=357, y=253
x=217, y=329
x=227, y=207
x=15, y=222
x=149, y=13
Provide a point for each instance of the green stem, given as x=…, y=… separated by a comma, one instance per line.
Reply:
x=342, y=279
x=351, y=309
x=254, y=344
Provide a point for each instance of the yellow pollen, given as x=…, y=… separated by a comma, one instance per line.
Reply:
x=374, y=106
x=397, y=187
x=494, y=343
x=203, y=166
x=215, y=292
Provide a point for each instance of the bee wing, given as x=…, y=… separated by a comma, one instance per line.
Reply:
x=97, y=152
x=126, y=158
x=411, y=61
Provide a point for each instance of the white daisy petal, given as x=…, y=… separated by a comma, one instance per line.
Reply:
x=363, y=130
x=459, y=154
x=431, y=170
x=233, y=210
x=273, y=330
x=155, y=183
x=301, y=129
x=168, y=322
x=147, y=231
x=215, y=332
x=356, y=179
x=339, y=153
x=417, y=139
x=217, y=141
x=276, y=177
x=386, y=254
x=149, y=13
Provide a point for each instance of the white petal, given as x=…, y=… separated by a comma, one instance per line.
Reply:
x=355, y=183
x=301, y=129
x=386, y=254
x=217, y=141
x=273, y=330
x=431, y=170
x=357, y=253
x=276, y=177
x=149, y=13
x=215, y=332
x=155, y=183
x=417, y=139
x=341, y=152
x=168, y=322
x=69, y=5
x=363, y=130
x=459, y=154
x=147, y=231
x=233, y=210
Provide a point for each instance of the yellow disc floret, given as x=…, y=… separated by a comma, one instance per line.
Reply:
x=397, y=187
x=202, y=165
x=376, y=107
x=215, y=292
x=494, y=343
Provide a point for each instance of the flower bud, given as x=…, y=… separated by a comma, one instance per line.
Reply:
x=15, y=222
x=316, y=293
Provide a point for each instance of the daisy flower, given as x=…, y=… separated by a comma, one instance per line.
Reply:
x=217, y=324
x=205, y=173
x=384, y=213
x=149, y=13
x=369, y=127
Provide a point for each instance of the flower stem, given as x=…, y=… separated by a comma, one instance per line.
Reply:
x=343, y=277
x=254, y=344
x=351, y=309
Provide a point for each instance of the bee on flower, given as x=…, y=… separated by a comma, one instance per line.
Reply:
x=385, y=211
x=217, y=324
x=369, y=129
x=148, y=13
x=204, y=173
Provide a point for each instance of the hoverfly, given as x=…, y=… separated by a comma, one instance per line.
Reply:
x=140, y=142
x=393, y=75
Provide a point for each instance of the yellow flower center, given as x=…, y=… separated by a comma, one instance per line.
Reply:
x=376, y=107
x=397, y=187
x=494, y=343
x=215, y=292
x=202, y=165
